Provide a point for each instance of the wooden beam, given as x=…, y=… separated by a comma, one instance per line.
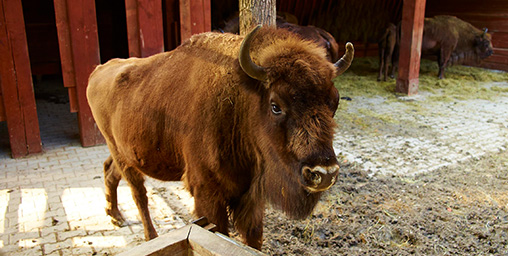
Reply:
x=83, y=47
x=413, y=14
x=65, y=46
x=144, y=27
x=16, y=82
x=195, y=17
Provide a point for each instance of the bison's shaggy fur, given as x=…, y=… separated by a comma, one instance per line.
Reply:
x=195, y=114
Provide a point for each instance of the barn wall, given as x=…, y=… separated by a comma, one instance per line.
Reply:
x=361, y=21
x=487, y=13
x=2, y=109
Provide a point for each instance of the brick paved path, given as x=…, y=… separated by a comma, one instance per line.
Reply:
x=53, y=203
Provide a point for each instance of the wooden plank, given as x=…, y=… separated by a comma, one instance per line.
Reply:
x=500, y=39
x=195, y=17
x=131, y=11
x=2, y=109
x=449, y=6
x=496, y=66
x=150, y=26
x=85, y=54
x=413, y=14
x=206, y=243
x=144, y=27
x=16, y=85
x=171, y=24
x=172, y=243
x=65, y=46
x=497, y=59
x=502, y=52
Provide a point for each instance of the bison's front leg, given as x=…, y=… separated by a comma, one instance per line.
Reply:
x=208, y=202
x=248, y=217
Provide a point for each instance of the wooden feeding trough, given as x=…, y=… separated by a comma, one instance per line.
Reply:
x=193, y=240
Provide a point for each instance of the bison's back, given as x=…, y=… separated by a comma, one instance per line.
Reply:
x=150, y=110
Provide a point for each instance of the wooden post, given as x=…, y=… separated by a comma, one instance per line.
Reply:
x=144, y=27
x=195, y=17
x=78, y=16
x=254, y=12
x=65, y=46
x=16, y=82
x=413, y=14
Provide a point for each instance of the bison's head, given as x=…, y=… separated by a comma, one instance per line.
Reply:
x=297, y=103
x=483, y=44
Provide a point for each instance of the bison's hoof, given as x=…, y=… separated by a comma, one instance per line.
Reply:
x=119, y=223
x=116, y=218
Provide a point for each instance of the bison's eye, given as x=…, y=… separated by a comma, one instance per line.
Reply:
x=276, y=109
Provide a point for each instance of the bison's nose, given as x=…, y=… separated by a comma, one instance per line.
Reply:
x=320, y=178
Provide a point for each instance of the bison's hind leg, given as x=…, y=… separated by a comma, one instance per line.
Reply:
x=136, y=181
x=111, y=179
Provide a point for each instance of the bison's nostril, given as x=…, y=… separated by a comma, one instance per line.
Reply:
x=311, y=176
x=316, y=178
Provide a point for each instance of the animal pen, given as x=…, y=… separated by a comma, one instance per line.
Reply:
x=70, y=37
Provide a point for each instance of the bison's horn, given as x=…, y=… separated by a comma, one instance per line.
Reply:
x=343, y=64
x=485, y=31
x=248, y=66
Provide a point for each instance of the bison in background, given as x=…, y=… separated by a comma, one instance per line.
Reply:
x=287, y=21
x=450, y=39
x=388, y=51
x=454, y=41
x=243, y=121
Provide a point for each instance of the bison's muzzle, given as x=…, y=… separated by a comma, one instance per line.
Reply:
x=319, y=178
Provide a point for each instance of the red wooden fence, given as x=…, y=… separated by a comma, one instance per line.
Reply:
x=16, y=81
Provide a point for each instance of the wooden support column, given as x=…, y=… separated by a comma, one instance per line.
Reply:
x=16, y=82
x=195, y=17
x=144, y=27
x=79, y=46
x=413, y=14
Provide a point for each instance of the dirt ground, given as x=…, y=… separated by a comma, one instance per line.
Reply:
x=459, y=210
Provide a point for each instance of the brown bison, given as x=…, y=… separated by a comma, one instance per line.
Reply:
x=450, y=39
x=388, y=51
x=318, y=35
x=454, y=41
x=315, y=34
x=241, y=120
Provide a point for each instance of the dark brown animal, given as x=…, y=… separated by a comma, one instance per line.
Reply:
x=454, y=41
x=315, y=34
x=318, y=35
x=386, y=46
x=238, y=134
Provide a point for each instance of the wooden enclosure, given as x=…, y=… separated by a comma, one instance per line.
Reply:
x=192, y=240
x=64, y=39
x=71, y=37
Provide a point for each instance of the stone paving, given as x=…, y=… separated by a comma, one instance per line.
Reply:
x=440, y=134
x=53, y=203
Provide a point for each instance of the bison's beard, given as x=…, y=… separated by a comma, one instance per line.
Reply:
x=284, y=192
